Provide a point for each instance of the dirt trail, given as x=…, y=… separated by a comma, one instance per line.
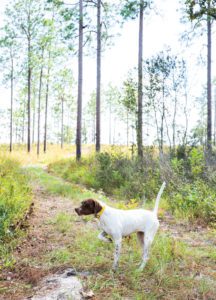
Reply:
x=41, y=239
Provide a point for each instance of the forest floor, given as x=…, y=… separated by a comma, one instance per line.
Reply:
x=57, y=239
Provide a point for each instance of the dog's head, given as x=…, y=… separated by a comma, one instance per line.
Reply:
x=88, y=207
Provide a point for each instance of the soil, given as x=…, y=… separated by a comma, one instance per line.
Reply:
x=41, y=239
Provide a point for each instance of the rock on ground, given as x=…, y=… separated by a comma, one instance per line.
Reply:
x=59, y=287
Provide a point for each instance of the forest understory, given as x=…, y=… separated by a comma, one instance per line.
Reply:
x=182, y=262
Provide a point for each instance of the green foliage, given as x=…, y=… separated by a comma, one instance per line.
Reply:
x=195, y=201
x=130, y=9
x=15, y=196
x=197, y=162
x=190, y=192
x=198, y=9
x=114, y=173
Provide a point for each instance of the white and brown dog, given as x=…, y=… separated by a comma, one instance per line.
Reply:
x=119, y=223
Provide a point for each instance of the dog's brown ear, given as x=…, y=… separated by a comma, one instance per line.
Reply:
x=97, y=207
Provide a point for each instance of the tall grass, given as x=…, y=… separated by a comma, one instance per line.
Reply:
x=15, y=195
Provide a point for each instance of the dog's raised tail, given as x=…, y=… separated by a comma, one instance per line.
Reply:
x=158, y=198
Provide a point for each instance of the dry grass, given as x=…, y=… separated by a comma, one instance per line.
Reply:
x=54, y=152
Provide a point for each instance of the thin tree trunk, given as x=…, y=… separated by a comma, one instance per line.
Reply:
x=62, y=123
x=110, y=125
x=11, y=110
x=185, y=113
x=33, y=124
x=98, y=95
x=209, y=104
x=140, y=82
x=162, y=121
x=174, y=117
x=29, y=96
x=39, y=105
x=114, y=130
x=23, y=123
x=127, y=128
x=46, y=104
x=168, y=135
x=80, y=81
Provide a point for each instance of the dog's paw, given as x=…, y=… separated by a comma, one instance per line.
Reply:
x=141, y=267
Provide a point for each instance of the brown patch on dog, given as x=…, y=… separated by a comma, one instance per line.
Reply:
x=89, y=207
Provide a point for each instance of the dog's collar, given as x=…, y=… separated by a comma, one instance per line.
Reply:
x=98, y=215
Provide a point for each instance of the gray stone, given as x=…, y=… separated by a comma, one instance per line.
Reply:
x=59, y=287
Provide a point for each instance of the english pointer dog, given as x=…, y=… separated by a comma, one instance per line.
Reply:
x=119, y=223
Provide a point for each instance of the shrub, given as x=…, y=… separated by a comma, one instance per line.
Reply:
x=195, y=200
x=15, y=196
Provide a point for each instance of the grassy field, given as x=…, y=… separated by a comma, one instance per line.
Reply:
x=182, y=262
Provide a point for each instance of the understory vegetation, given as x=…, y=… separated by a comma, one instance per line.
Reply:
x=15, y=200
x=190, y=191
x=175, y=269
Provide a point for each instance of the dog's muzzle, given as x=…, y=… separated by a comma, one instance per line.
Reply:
x=77, y=210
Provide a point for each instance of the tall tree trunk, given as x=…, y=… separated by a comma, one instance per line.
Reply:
x=23, y=123
x=80, y=81
x=11, y=110
x=174, y=116
x=62, y=123
x=185, y=112
x=46, y=104
x=127, y=116
x=33, y=124
x=140, y=82
x=98, y=95
x=29, y=96
x=209, y=94
x=162, y=119
x=110, y=124
x=39, y=106
x=215, y=116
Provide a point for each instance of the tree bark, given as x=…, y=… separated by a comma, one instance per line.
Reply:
x=11, y=110
x=62, y=123
x=214, y=116
x=23, y=123
x=80, y=81
x=209, y=94
x=98, y=94
x=140, y=83
x=29, y=96
x=127, y=117
x=46, y=104
x=110, y=124
x=185, y=111
x=33, y=124
x=162, y=118
x=39, y=105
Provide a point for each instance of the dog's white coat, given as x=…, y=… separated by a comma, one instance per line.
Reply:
x=119, y=223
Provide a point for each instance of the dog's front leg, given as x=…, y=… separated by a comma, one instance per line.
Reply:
x=103, y=237
x=117, y=253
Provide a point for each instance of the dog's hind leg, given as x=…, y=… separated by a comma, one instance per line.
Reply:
x=148, y=239
x=117, y=253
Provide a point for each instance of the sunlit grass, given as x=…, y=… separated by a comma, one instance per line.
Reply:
x=54, y=152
